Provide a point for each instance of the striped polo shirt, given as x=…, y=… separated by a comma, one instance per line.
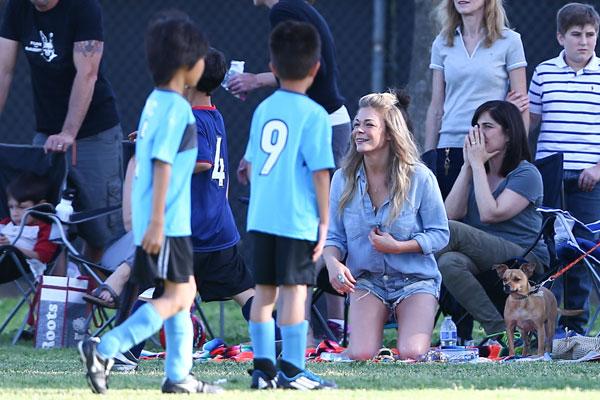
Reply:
x=569, y=103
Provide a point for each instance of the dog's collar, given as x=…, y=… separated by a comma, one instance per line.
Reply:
x=536, y=288
x=518, y=296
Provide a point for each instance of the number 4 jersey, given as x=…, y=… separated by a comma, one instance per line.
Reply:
x=290, y=138
x=213, y=226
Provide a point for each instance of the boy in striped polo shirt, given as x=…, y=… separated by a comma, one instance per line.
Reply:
x=565, y=97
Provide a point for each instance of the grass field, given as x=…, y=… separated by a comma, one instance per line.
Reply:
x=27, y=373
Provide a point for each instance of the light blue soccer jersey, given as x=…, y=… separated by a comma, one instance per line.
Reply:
x=290, y=138
x=167, y=132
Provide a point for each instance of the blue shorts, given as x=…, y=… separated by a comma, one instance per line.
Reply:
x=392, y=291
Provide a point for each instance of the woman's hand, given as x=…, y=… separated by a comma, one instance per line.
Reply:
x=340, y=276
x=475, y=145
x=466, y=162
x=383, y=241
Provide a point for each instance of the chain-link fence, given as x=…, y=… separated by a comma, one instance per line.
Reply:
x=241, y=31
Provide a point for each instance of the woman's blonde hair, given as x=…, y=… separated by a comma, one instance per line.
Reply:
x=404, y=155
x=494, y=20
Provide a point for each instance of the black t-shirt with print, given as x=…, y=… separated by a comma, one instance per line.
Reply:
x=325, y=89
x=47, y=39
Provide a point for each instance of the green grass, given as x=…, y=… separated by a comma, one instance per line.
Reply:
x=27, y=373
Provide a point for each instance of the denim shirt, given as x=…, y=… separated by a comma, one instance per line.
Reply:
x=422, y=218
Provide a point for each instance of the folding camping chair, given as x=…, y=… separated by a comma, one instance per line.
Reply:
x=323, y=286
x=568, y=232
x=15, y=159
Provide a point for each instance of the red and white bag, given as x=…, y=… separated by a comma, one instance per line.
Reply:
x=61, y=313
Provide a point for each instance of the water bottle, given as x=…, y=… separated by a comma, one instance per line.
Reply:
x=448, y=336
x=237, y=67
x=64, y=209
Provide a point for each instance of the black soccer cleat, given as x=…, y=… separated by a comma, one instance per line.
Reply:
x=97, y=368
x=264, y=374
x=262, y=381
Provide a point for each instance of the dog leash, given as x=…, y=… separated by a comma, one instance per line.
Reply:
x=565, y=269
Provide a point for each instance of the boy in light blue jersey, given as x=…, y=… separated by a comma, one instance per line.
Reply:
x=165, y=155
x=563, y=96
x=289, y=151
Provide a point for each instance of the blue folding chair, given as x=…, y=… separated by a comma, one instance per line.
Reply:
x=572, y=239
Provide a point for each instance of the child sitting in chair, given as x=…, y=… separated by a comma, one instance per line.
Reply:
x=33, y=245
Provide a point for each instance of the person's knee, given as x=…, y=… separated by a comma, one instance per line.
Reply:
x=362, y=354
x=450, y=264
x=296, y=292
x=179, y=304
x=264, y=294
x=364, y=347
x=412, y=352
x=182, y=297
x=454, y=226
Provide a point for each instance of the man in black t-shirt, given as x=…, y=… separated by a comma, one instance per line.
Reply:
x=74, y=103
x=325, y=89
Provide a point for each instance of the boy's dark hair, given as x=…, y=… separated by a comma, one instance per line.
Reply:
x=295, y=48
x=215, y=68
x=173, y=41
x=28, y=187
x=508, y=116
x=576, y=14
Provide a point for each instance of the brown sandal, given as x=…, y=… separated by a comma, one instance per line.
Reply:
x=94, y=297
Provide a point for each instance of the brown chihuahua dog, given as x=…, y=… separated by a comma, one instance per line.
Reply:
x=526, y=309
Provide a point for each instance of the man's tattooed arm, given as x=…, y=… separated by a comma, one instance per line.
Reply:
x=88, y=48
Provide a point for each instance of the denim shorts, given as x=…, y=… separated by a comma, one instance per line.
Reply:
x=393, y=290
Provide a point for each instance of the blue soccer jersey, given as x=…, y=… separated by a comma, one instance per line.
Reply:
x=213, y=226
x=290, y=138
x=166, y=133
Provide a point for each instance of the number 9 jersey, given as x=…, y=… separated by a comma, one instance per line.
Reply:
x=290, y=138
x=213, y=225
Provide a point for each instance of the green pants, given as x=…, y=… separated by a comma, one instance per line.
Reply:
x=470, y=252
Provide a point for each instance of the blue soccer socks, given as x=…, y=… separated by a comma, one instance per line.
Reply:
x=139, y=326
x=179, y=334
x=263, y=339
x=294, y=343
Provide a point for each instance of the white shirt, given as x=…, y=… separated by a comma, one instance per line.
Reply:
x=28, y=237
x=569, y=103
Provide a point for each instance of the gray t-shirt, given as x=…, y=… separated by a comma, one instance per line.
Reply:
x=522, y=229
x=473, y=80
